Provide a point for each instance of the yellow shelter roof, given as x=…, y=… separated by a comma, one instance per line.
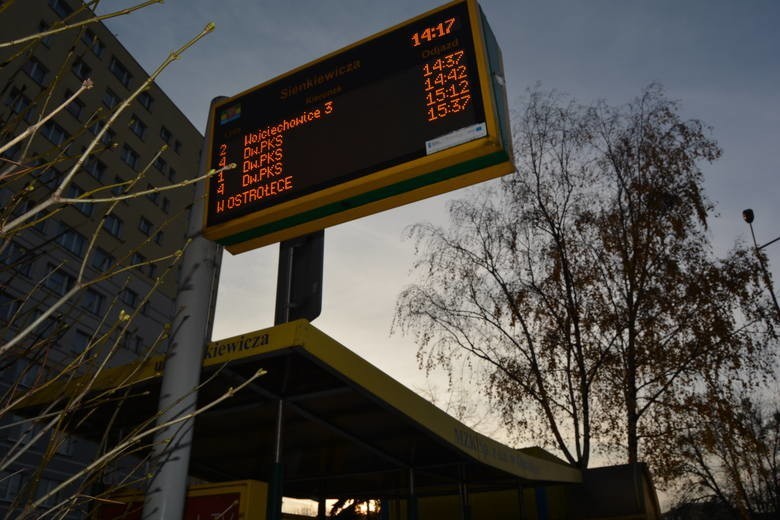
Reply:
x=349, y=429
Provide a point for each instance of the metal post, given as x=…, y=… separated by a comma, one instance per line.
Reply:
x=384, y=509
x=465, y=506
x=411, y=505
x=321, y=509
x=520, y=501
x=284, y=302
x=299, y=280
x=542, y=512
x=276, y=480
x=191, y=330
x=764, y=270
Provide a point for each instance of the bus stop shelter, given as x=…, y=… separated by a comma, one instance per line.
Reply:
x=321, y=420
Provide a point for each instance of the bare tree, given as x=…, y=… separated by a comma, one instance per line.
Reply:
x=585, y=284
x=730, y=450
x=32, y=357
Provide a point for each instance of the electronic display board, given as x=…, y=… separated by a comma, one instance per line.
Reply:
x=412, y=112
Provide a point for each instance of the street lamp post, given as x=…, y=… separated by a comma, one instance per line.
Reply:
x=749, y=216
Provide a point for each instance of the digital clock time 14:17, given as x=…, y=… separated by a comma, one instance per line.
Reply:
x=429, y=34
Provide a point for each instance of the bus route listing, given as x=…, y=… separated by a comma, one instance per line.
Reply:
x=262, y=166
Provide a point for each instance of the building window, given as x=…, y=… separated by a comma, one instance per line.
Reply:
x=13, y=152
x=139, y=345
x=158, y=238
x=95, y=167
x=129, y=156
x=51, y=178
x=108, y=136
x=146, y=100
x=67, y=445
x=137, y=126
x=43, y=27
x=36, y=71
x=152, y=270
x=75, y=191
x=93, y=42
x=166, y=205
x=120, y=71
x=75, y=107
x=119, y=186
x=153, y=196
x=171, y=175
x=45, y=487
x=17, y=258
x=113, y=225
x=61, y=7
x=160, y=164
x=129, y=297
x=8, y=307
x=137, y=259
x=29, y=374
x=80, y=341
x=110, y=99
x=59, y=281
x=10, y=485
x=19, y=103
x=145, y=226
x=81, y=69
x=26, y=206
x=71, y=240
x=177, y=146
x=165, y=135
x=92, y=301
x=102, y=260
x=52, y=131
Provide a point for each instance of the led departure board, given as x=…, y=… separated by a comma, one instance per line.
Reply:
x=414, y=111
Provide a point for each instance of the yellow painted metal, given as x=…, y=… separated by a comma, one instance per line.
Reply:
x=525, y=464
x=363, y=210
x=484, y=449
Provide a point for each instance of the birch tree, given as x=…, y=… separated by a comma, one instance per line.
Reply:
x=585, y=286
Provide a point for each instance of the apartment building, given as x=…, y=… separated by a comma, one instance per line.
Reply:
x=41, y=263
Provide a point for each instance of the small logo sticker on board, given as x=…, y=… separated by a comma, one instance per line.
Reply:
x=229, y=114
x=455, y=138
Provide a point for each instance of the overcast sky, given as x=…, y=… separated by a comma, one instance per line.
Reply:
x=720, y=59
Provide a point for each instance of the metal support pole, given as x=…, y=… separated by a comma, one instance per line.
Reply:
x=764, y=270
x=285, y=283
x=542, y=512
x=321, y=509
x=465, y=506
x=520, y=500
x=384, y=509
x=191, y=330
x=277, y=476
x=299, y=280
x=411, y=504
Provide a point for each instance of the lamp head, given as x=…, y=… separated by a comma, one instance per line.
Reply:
x=748, y=216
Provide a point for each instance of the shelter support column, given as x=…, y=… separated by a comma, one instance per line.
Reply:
x=411, y=504
x=321, y=509
x=277, y=471
x=465, y=506
x=542, y=512
x=520, y=501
